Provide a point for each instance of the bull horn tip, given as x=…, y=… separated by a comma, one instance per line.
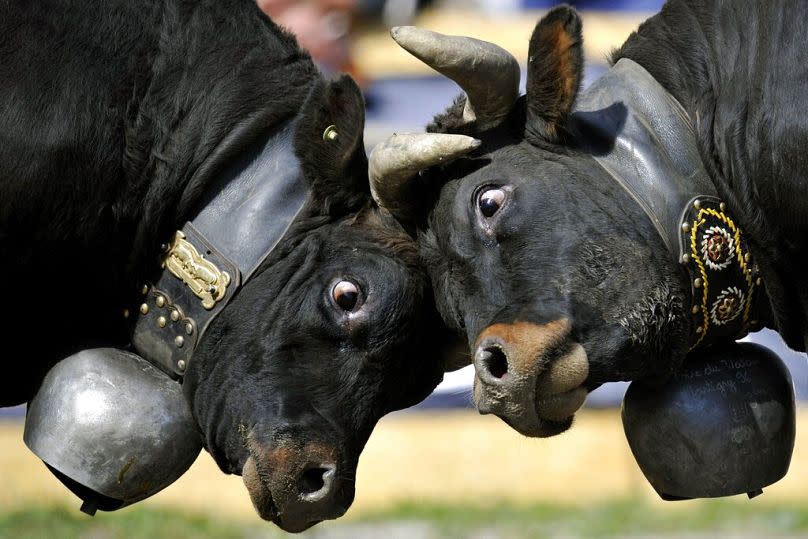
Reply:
x=394, y=31
x=405, y=33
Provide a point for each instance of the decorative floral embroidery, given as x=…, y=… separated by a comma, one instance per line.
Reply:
x=727, y=306
x=717, y=248
x=724, y=277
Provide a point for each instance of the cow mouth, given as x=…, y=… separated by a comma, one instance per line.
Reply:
x=560, y=407
x=264, y=503
x=260, y=494
x=293, y=501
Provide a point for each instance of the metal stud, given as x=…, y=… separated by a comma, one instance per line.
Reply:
x=189, y=328
x=181, y=364
x=758, y=281
x=723, y=206
x=175, y=315
x=695, y=309
x=747, y=257
x=144, y=290
x=330, y=134
x=697, y=204
x=697, y=282
x=179, y=340
x=160, y=301
x=126, y=313
x=685, y=258
x=161, y=321
x=144, y=309
x=685, y=227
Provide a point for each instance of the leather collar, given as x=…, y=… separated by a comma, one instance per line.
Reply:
x=642, y=136
x=241, y=219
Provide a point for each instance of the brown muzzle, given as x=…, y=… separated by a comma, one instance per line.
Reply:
x=530, y=375
x=297, y=486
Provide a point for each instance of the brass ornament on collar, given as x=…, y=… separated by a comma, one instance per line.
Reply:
x=166, y=318
x=206, y=281
x=724, y=279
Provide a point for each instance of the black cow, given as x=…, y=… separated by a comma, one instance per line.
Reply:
x=553, y=238
x=117, y=120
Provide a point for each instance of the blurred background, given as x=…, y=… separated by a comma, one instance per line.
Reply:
x=439, y=469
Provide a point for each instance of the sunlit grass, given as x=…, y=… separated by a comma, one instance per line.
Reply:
x=136, y=523
x=619, y=518
x=610, y=519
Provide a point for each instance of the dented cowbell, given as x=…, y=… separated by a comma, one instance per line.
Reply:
x=112, y=427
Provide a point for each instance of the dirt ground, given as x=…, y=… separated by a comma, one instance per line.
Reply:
x=446, y=457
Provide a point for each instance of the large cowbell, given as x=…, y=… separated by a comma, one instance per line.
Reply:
x=112, y=427
x=723, y=426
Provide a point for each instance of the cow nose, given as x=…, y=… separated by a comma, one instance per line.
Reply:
x=530, y=375
x=311, y=497
x=491, y=364
x=316, y=483
x=297, y=486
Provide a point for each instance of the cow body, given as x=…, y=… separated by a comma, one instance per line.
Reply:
x=737, y=72
x=102, y=129
x=558, y=278
x=116, y=118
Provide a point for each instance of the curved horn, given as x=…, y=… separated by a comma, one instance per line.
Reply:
x=487, y=73
x=394, y=163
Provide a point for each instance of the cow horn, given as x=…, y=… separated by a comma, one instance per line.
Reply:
x=486, y=72
x=394, y=163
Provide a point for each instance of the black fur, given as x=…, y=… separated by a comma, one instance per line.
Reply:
x=115, y=116
x=739, y=70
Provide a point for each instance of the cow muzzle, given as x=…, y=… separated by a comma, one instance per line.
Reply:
x=531, y=376
x=297, y=485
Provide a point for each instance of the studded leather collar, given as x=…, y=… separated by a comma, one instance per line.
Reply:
x=642, y=136
x=242, y=219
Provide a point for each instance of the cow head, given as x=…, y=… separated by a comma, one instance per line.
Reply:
x=555, y=274
x=330, y=334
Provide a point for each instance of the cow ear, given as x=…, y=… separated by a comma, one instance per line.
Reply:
x=554, y=72
x=329, y=143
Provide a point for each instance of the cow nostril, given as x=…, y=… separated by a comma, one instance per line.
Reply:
x=495, y=361
x=312, y=480
x=315, y=482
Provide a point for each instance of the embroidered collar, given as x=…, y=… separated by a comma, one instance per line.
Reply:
x=644, y=140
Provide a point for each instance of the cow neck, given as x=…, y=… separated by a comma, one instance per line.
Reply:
x=243, y=217
x=651, y=152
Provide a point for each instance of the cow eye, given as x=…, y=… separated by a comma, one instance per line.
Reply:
x=490, y=201
x=346, y=295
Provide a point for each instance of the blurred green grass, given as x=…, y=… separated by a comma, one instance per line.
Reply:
x=621, y=518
